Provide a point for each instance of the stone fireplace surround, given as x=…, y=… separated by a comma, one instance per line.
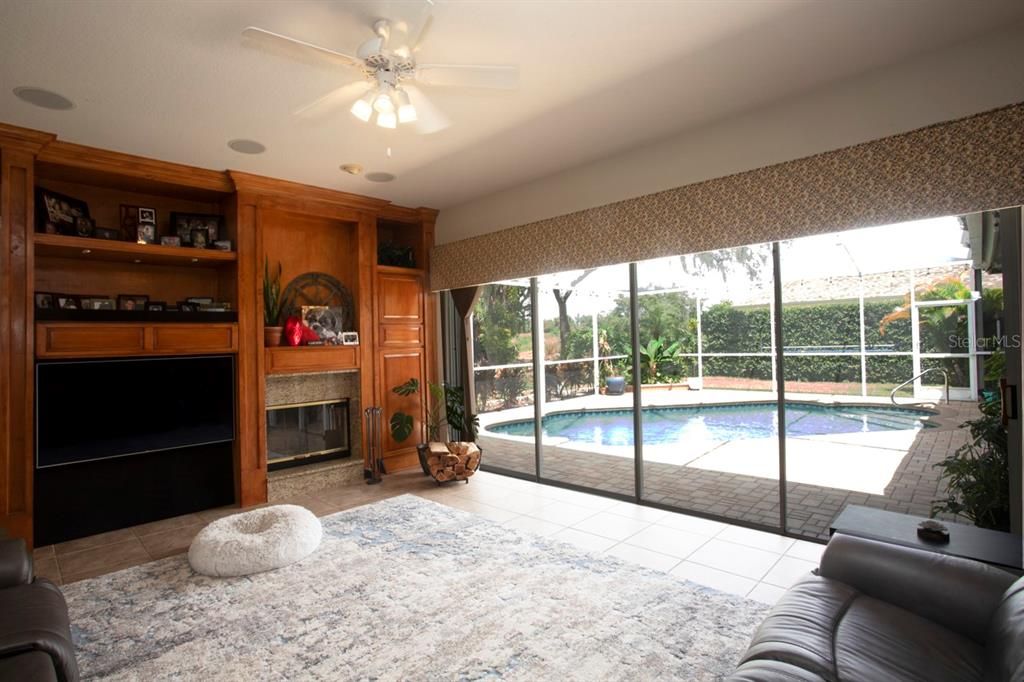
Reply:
x=300, y=388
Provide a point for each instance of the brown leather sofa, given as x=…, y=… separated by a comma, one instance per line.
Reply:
x=879, y=612
x=35, y=636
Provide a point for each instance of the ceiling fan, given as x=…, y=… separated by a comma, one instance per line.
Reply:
x=389, y=74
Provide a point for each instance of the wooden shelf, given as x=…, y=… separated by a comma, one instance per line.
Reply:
x=396, y=270
x=127, y=339
x=306, y=359
x=61, y=246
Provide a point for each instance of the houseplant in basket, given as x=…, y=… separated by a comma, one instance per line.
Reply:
x=271, y=305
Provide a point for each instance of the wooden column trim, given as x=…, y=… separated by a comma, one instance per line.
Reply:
x=366, y=239
x=251, y=441
x=17, y=383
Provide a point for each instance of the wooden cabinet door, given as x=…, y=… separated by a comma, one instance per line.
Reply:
x=400, y=299
x=397, y=367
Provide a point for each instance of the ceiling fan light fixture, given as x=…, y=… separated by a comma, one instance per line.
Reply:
x=387, y=119
x=383, y=103
x=362, y=109
x=406, y=111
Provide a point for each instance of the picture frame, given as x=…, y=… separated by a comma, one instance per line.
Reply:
x=199, y=300
x=350, y=338
x=222, y=245
x=186, y=307
x=145, y=233
x=44, y=300
x=172, y=240
x=84, y=227
x=325, y=321
x=67, y=302
x=182, y=225
x=58, y=213
x=97, y=303
x=147, y=215
x=156, y=306
x=132, y=301
x=199, y=237
x=106, y=233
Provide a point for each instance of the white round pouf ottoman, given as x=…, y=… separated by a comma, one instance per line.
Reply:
x=255, y=541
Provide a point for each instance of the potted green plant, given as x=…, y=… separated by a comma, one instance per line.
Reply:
x=272, y=330
x=977, y=474
x=445, y=407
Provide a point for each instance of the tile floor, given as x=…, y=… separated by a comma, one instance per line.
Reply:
x=730, y=558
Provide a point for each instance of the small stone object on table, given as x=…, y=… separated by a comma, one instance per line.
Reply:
x=452, y=461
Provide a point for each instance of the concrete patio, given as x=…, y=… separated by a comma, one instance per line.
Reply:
x=737, y=479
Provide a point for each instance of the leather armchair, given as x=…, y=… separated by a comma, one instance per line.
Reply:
x=35, y=635
x=878, y=611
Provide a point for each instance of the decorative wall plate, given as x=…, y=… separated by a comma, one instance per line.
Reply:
x=320, y=289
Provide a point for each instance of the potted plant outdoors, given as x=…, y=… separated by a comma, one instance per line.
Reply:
x=445, y=407
x=272, y=330
x=615, y=382
x=977, y=474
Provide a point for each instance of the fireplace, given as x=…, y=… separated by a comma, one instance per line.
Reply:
x=304, y=433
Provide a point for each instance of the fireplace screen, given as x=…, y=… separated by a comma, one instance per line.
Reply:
x=306, y=433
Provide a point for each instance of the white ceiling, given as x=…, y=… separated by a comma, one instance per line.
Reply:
x=171, y=80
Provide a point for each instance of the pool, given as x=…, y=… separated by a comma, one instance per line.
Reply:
x=670, y=425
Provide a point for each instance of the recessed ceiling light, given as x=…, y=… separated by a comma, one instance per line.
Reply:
x=380, y=177
x=247, y=146
x=352, y=168
x=43, y=98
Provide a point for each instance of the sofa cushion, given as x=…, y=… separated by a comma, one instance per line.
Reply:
x=15, y=563
x=772, y=671
x=799, y=629
x=833, y=632
x=35, y=617
x=1005, y=653
x=31, y=666
x=875, y=640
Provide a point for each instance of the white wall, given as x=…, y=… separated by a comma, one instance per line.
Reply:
x=976, y=76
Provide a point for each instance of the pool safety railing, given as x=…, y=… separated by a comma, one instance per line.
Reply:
x=945, y=384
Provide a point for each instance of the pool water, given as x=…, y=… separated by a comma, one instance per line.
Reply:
x=668, y=425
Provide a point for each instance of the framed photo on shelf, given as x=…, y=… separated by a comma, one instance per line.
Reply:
x=106, y=233
x=97, y=303
x=172, y=240
x=44, y=301
x=199, y=237
x=59, y=213
x=350, y=338
x=156, y=306
x=132, y=301
x=68, y=302
x=138, y=223
x=182, y=225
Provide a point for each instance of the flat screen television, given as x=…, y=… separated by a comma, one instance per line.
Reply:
x=97, y=409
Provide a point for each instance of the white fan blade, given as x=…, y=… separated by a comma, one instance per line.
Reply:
x=468, y=76
x=334, y=100
x=413, y=33
x=429, y=119
x=295, y=49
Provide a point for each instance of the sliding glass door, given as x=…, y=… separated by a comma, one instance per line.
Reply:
x=503, y=376
x=659, y=381
x=587, y=420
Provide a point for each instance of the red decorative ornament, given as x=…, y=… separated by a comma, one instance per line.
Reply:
x=298, y=334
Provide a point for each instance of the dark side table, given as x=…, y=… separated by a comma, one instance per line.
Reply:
x=970, y=542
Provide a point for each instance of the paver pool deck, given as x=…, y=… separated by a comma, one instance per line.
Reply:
x=738, y=479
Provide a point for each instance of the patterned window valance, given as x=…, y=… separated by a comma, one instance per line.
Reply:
x=951, y=168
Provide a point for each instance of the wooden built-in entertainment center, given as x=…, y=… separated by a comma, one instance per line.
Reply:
x=306, y=229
